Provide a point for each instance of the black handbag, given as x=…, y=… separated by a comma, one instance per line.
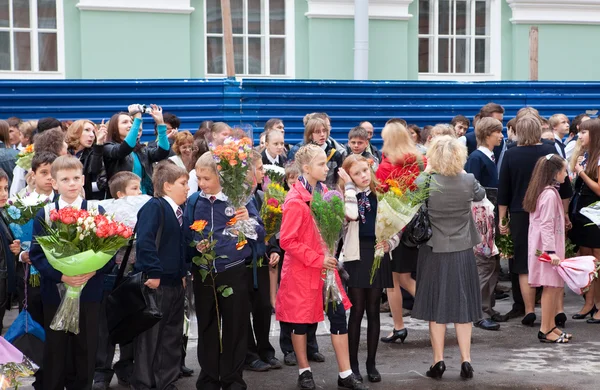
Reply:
x=418, y=231
x=132, y=308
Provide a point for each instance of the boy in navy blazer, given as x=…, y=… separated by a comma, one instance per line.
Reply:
x=69, y=359
x=162, y=239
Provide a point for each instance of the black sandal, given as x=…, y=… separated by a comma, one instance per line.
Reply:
x=543, y=337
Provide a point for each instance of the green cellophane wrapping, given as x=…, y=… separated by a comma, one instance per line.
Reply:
x=67, y=315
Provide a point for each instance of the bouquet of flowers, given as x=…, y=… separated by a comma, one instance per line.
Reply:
x=237, y=183
x=271, y=211
x=577, y=272
x=25, y=157
x=396, y=207
x=21, y=212
x=13, y=365
x=328, y=213
x=274, y=173
x=77, y=243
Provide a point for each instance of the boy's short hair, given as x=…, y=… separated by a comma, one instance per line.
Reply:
x=490, y=109
x=272, y=123
x=166, y=171
x=397, y=120
x=120, y=181
x=47, y=124
x=206, y=161
x=3, y=175
x=42, y=158
x=555, y=120
x=27, y=128
x=358, y=132
x=460, y=119
x=49, y=141
x=486, y=127
x=65, y=163
x=13, y=121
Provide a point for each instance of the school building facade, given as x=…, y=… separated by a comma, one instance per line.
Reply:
x=464, y=40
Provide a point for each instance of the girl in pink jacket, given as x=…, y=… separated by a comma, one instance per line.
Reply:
x=300, y=296
x=547, y=235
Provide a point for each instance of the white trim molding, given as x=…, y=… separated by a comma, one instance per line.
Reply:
x=555, y=11
x=157, y=6
x=344, y=9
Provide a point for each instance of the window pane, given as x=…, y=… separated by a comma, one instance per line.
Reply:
x=255, y=56
x=254, y=17
x=21, y=13
x=277, y=55
x=424, y=51
x=22, y=51
x=214, y=23
x=4, y=50
x=444, y=17
x=214, y=55
x=48, y=52
x=277, y=17
x=4, y=17
x=462, y=17
x=424, y=17
x=46, y=13
x=462, y=56
x=238, y=54
x=482, y=56
x=444, y=55
x=481, y=18
x=237, y=16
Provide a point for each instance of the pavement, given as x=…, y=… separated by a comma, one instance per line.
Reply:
x=511, y=358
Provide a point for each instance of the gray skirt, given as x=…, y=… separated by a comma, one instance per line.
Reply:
x=447, y=287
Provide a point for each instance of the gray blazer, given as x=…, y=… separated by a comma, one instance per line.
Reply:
x=450, y=212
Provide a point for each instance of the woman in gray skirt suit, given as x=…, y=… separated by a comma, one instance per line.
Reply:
x=447, y=280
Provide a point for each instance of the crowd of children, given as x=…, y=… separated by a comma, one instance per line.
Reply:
x=526, y=177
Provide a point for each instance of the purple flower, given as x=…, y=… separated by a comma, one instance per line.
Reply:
x=10, y=202
x=330, y=195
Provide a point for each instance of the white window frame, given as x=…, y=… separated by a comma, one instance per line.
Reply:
x=290, y=43
x=35, y=73
x=495, y=46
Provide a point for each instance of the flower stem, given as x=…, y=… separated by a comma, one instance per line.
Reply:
x=214, y=286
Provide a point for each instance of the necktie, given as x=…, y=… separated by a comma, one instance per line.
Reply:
x=493, y=158
x=363, y=205
x=179, y=215
x=212, y=199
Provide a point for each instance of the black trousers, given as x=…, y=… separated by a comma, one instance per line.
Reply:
x=69, y=359
x=34, y=296
x=285, y=340
x=4, y=299
x=259, y=346
x=157, y=351
x=222, y=370
x=106, y=352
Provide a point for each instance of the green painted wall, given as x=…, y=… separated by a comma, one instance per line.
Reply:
x=302, y=54
x=118, y=45
x=331, y=55
x=413, y=42
x=388, y=57
x=507, y=42
x=197, y=43
x=72, y=40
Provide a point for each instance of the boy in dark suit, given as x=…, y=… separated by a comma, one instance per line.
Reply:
x=157, y=351
x=69, y=358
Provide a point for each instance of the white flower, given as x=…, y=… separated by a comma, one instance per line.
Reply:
x=81, y=236
x=274, y=168
x=32, y=200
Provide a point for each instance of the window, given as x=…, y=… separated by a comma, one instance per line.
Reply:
x=29, y=37
x=455, y=37
x=259, y=37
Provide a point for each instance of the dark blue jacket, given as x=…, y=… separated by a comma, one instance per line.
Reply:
x=483, y=168
x=7, y=257
x=93, y=290
x=168, y=262
x=200, y=208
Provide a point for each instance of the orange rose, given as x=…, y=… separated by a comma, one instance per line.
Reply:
x=198, y=226
x=232, y=221
x=240, y=245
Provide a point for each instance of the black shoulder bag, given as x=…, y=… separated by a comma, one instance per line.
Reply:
x=418, y=231
x=133, y=308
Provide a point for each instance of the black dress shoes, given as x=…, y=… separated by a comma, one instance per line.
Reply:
x=351, y=382
x=437, y=370
x=529, y=319
x=316, y=357
x=466, y=370
x=306, y=381
x=582, y=316
x=373, y=375
x=290, y=359
x=186, y=372
x=487, y=324
x=560, y=320
x=396, y=334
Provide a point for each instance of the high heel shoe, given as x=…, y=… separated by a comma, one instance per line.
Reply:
x=543, y=337
x=396, y=334
x=560, y=320
x=466, y=370
x=529, y=319
x=437, y=370
x=590, y=313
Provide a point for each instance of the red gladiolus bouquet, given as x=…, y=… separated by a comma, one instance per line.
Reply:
x=79, y=242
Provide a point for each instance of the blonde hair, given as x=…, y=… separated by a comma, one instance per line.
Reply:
x=311, y=126
x=74, y=132
x=577, y=152
x=555, y=120
x=27, y=128
x=485, y=128
x=397, y=142
x=442, y=129
x=447, y=156
x=206, y=161
x=65, y=163
x=306, y=154
x=529, y=130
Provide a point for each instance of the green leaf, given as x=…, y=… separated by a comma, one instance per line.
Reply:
x=203, y=273
x=221, y=288
x=209, y=257
x=227, y=292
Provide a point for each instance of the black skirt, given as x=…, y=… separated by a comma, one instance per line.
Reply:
x=583, y=234
x=519, y=231
x=359, y=271
x=404, y=259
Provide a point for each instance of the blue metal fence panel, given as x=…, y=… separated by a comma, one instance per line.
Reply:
x=250, y=103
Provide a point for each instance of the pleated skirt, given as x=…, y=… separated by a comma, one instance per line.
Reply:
x=447, y=287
